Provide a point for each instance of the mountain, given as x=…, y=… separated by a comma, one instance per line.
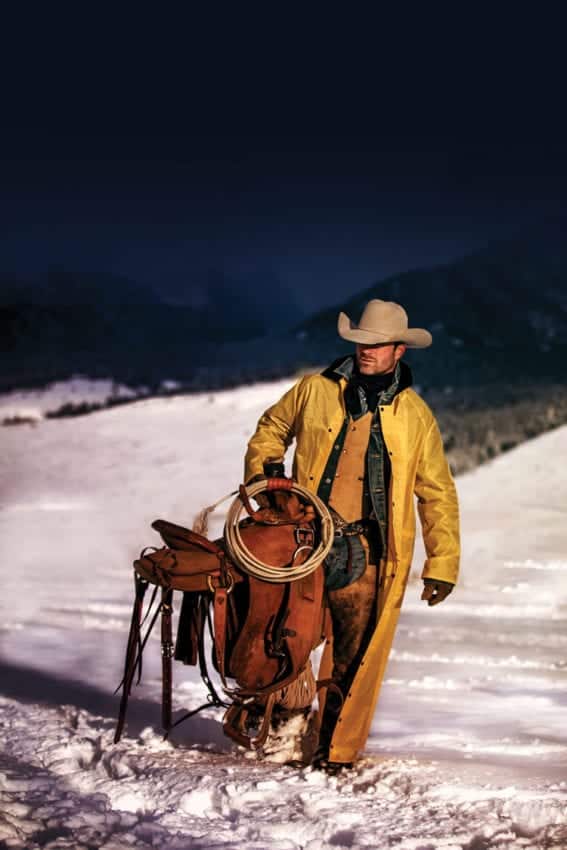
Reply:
x=59, y=287
x=102, y=325
x=497, y=317
x=499, y=314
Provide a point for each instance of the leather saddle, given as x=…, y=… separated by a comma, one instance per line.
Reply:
x=262, y=632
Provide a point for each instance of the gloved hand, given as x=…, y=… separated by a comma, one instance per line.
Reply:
x=435, y=590
x=262, y=499
x=272, y=469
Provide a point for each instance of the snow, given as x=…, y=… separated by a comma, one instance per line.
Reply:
x=33, y=404
x=468, y=748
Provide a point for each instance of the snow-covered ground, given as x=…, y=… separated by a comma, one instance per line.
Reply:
x=469, y=743
x=32, y=405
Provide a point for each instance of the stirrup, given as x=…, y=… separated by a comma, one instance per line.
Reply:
x=234, y=724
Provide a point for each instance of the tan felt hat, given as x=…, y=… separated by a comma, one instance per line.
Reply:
x=383, y=321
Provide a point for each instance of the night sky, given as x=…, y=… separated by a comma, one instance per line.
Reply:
x=316, y=207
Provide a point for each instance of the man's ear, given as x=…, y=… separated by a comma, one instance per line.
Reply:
x=400, y=350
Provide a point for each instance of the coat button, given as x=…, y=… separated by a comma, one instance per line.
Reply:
x=328, y=480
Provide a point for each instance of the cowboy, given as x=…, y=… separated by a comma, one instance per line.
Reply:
x=368, y=445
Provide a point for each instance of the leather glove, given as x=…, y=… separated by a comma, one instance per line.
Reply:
x=262, y=499
x=272, y=469
x=435, y=590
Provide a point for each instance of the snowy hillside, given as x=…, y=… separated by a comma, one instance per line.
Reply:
x=469, y=744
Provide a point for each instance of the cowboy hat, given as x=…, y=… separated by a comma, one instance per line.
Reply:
x=383, y=321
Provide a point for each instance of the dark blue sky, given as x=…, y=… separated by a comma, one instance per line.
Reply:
x=324, y=217
x=170, y=159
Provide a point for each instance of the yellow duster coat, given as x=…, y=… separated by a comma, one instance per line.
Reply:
x=313, y=412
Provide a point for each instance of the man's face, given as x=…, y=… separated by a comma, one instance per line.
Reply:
x=378, y=359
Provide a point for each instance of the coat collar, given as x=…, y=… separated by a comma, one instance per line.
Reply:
x=343, y=368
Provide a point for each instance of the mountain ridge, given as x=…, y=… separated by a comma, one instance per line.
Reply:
x=498, y=314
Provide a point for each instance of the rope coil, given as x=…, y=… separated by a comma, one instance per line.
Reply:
x=277, y=575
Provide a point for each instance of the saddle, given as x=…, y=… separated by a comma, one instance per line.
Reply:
x=263, y=630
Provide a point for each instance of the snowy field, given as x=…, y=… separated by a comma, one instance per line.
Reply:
x=33, y=404
x=469, y=743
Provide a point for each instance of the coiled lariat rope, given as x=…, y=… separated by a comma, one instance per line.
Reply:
x=244, y=558
x=277, y=575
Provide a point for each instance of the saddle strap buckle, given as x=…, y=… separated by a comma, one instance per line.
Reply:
x=229, y=586
x=350, y=529
x=167, y=650
x=304, y=537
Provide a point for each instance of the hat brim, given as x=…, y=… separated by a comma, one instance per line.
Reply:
x=412, y=337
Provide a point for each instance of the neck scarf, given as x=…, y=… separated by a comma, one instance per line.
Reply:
x=365, y=388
